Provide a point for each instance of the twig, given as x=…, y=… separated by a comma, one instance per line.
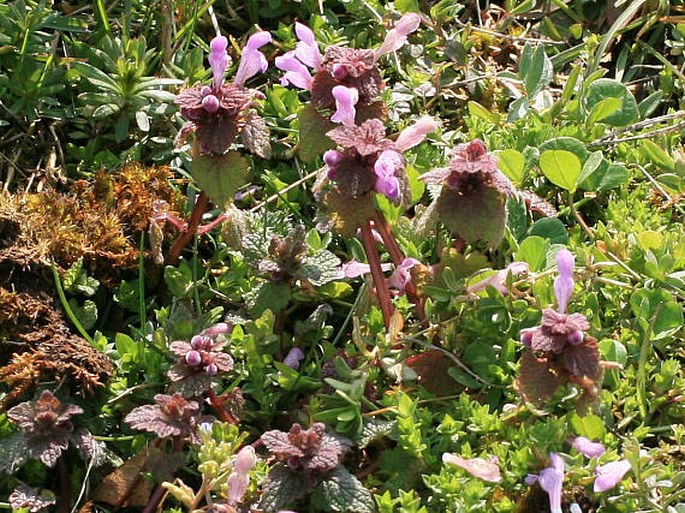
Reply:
x=658, y=186
x=201, y=206
x=511, y=38
x=280, y=193
x=638, y=126
x=645, y=135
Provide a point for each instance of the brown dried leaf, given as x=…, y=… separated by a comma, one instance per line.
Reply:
x=126, y=486
x=539, y=378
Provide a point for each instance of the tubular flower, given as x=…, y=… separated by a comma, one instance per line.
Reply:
x=340, y=66
x=587, y=447
x=550, y=480
x=610, y=474
x=218, y=113
x=487, y=470
x=239, y=479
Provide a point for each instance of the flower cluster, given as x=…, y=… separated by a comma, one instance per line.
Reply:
x=366, y=160
x=200, y=360
x=47, y=429
x=218, y=112
x=312, y=450
x=559, y=349
x=338, y=66
x=173, y=415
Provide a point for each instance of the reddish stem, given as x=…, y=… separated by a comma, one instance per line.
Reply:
x=64, y=486
x=382, y=289
x=200, y=208
x=397, y=257
x=218, y=406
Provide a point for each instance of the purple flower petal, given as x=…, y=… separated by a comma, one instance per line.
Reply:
x=402, y=275
x=487, y=470
x=218, y=59
x=587, y=447
x=563, y=285
x=345, y=100
x=239, y=479
x=388, y=163
x=252, y=61
x=296, y=73
x=416, y=133
x=293, y=358
x=551, y=480
x=332, y=157
x=388, y=186
x=397, y=37
x=307, y=50
x=610, y=475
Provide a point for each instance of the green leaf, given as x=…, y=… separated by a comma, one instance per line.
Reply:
x=220, y=176
x=561, y=167
x=478, y=111
x=649, y=104
x=321, y=267
x=512, y=163
x=606, y=177
x=340, y=491
x=571, y=144
x=335, y=290
x=179, y=280
x=646, y=304
x=656, y=155
x=282, y=488
x=550, y=228
x=518, y=109
x=535, y=69
x=87, y=313
x=313, y=129
x=533, y=250
x=613, y=351
x=589, y=426
x=405, y=6
x=605, y=88
x=603, y=109
x=269, y=295
x=594, y=161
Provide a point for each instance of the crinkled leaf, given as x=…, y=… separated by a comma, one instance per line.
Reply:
x=342, y=492
x=32, y=499
x=583, y=359
x=14, y=453
x=269, y=295
x=281, y=488
x=327, y=456
x=313, y=129
x=538, y=378
x=279, y=443
x=321, y=267
x=348, y=214
x=126, y=486
x=374, y=429
x=431, y=367
x=480, y=215
x=255, y=135
x=220, y=176
x=87, y=313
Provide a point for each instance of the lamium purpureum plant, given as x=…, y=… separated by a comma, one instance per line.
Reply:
x=216, y=114
x=558, y=351
x=309, y=461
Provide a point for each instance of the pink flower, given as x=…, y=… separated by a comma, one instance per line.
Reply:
x=307, y=50
x=610, y=474
x=387, y=166
x=587, y=447
x=296, y=73
x=239, y=478
x=563, y=284
x=550, y=480
x=397, y=37
x=293, y=358
x=499, y=279
x=218, y=59
x=253, y=61
x=345, y=100
x=354, y=269
x=487, y=470
x=415, y=134
x=402, y=275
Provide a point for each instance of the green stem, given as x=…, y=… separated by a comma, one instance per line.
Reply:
x=641, y=377
x=67, y=308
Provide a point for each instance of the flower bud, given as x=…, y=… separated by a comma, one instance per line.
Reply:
x=332, y=158
x=210, y=103
x=211, y=369
x=576, y=338
x=201, y=342
x=527, y=337
x=339, y=71
x=193, y=358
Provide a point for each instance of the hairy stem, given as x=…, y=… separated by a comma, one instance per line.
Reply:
x=382, y=290
x=201, y=206
x=218, y=406
x=64, y=486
